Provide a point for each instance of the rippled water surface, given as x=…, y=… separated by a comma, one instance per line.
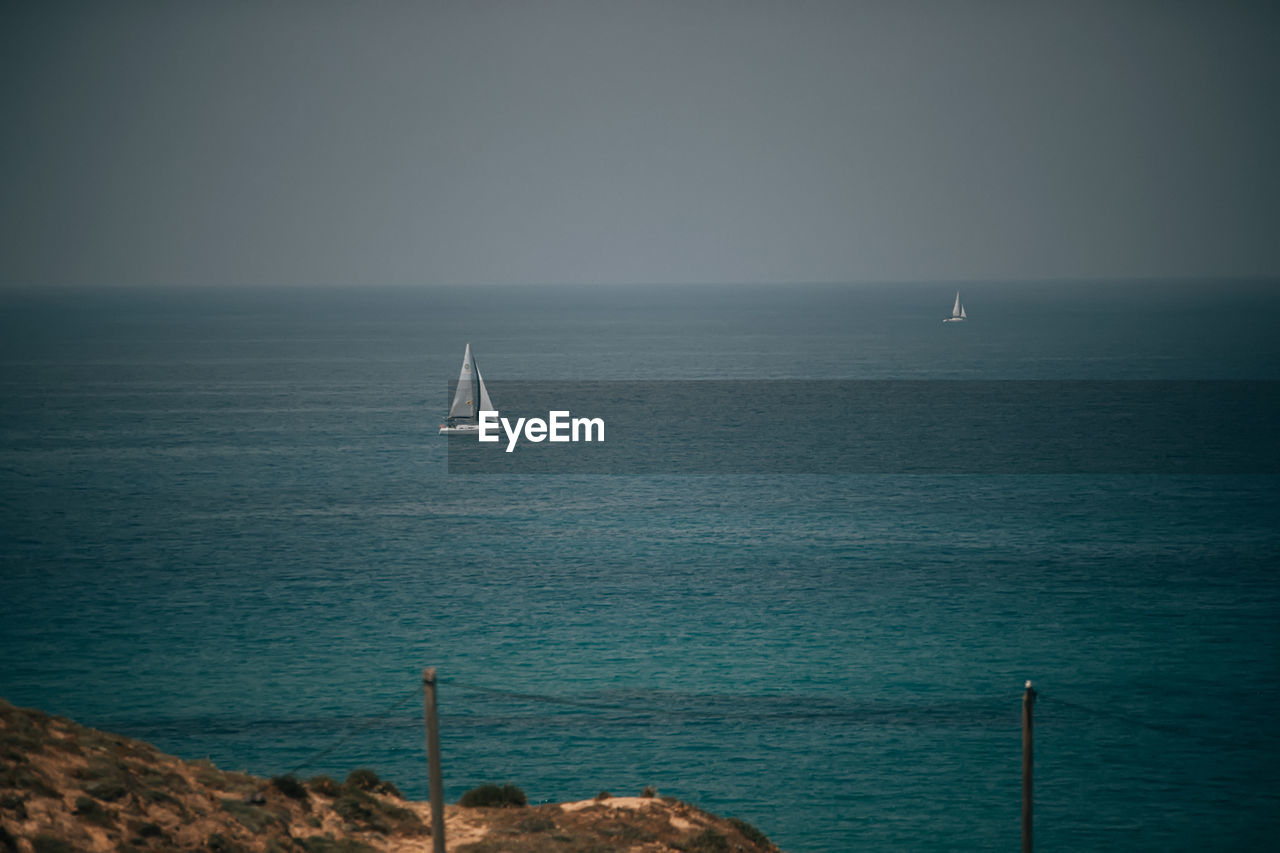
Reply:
x=227, y=526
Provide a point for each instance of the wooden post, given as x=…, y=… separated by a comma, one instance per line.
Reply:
x=1028, y=699
x=436, y=778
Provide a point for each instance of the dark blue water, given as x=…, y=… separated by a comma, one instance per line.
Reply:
x=227, y=526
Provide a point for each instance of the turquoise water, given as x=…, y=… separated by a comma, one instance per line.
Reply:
x=227, y=526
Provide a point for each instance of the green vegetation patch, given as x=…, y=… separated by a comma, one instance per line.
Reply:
x=16, y=803
x=750, y=833
x=256, y=819
x=110, y=779
x=91, y=811
x=550, y=829
x=325, y=786
x=539, y=844
x=166, y=780
x=493, y=796
x=362, y=810
x=101, y=769
x=52, y=844
x=24, y=777
x=219, y=843
x=322, y=844
x=707, y=841
x=146, y=830
x=161, y=798
x=292, y=788
x=115, y=745
x=107, y=791
x=532, y=825
x=22, y=731
x=364, y=779
x=209, y=775
x=625, y=833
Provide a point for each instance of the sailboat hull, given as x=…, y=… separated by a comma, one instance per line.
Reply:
x=954, y=319
x=446, y=429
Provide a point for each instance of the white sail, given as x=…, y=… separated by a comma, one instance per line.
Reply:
x=464, y=399
x=470, y=399
x=486, y=405
x=957, y=312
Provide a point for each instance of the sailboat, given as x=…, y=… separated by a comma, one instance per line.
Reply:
x=464, y=414
x=957, y=312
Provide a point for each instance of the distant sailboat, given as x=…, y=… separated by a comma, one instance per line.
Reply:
x=464, y=414
x=957, y=312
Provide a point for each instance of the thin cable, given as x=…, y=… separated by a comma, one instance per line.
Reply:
x=1164, y=729
x=785, y=707
x=537, y=697
x=360, y=730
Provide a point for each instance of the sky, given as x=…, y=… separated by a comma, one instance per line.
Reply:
x=245, y=143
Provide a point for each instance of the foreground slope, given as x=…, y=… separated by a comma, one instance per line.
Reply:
x=64, y=787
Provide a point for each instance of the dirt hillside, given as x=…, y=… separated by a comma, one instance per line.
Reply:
x=65, y=788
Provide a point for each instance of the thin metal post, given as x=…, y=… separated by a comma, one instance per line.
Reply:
x=436, y=778
x=1028, y=699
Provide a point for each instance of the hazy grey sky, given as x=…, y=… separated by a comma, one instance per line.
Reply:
x=597, y=141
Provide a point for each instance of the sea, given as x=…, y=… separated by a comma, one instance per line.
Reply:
x=228, y=526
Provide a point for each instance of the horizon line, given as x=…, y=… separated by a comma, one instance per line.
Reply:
x=950, y=282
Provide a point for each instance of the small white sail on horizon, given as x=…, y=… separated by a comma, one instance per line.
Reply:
x=957, y=312
x=469, y=400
